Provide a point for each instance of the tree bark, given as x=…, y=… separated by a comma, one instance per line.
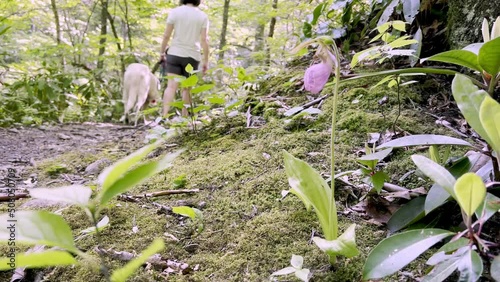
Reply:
x=118, y=45
x=272, y=26
x=465, y=18
x=222, y=42
x=58, y=27
x=104, y=32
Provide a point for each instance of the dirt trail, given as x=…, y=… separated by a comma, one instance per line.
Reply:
x=25, y=146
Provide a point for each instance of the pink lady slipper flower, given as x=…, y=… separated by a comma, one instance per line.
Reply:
x=317, y=75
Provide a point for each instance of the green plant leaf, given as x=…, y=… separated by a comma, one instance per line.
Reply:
x=395, y=252
x=489, y=207
x=344, y=245
x=189, y=68
x=436, y=173
x=191, y=81
x=469, y=99
x=112, y=173
x=437, y=195
x=489, y=56
x=312, y=189
x=39, y=227
x=122, y=274
x=378, y=156
x=409, y=213
x=462, y=58
x=74, y=194
x=470, y=266
x=185, y=211
x=454, y=245
x=417, y=47
x=489, y=115
x=442, y=270
x=177, y=104
x=410, y=9
x=423, y=140
x=39, y=260
x=378, y=179
x=216, y=100
x=495, y=268
x=202, y=88
x=399, y=25
x=103, y=223
x=317, y=12
x=136, y=176
x=470, y=192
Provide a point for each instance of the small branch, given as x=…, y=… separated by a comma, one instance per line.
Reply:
x=165, y=193
x=6, y=198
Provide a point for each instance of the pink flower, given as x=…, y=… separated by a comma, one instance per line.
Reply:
x=316, y=77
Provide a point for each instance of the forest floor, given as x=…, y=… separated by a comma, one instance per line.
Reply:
x=237, y=170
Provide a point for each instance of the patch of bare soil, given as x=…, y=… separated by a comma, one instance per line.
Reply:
x=25, y=146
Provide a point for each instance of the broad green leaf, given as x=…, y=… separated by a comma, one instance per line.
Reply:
x=436, y=173
x=303, y=274
x=297, y=261
x=416, y=46
x=103, y=223
x=38, y=260
x=201, y=108
x=442, y=270
x=423, y=140
x=434, y=154
x=284, y=271
x=344, y=245
x=470, y=192
x=378, y=179
x=437, y=195
x=489, y=114
x=485, y=30
x=189, y=68
x=495, y=268
x=489, y=207
x=441, y=256
x=454, y=245
x=122, y=274
x=383, y=28
x=410, y=9
x=469, y=99
x=395, y=252
x=462, y=58
x=489, y=56
x=358, y=57
x=191, y=81
x=216, y=100
x=382, y=81
x=74, y=194
x=4, y=28
x=136, y=176
x=201, y=88
x=38, y=227
x=306, y=30
x=177, y=104
x=185, y=211
x=112, y=173
x=317, y=12
x=409, y=213
x=470, y=266
x=399, y=25
x=312, y=189
x=378, y=156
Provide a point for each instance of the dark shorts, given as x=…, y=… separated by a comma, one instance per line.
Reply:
x=178, y=65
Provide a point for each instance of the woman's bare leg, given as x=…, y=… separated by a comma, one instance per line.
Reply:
x=186, y=97
x=169, y=94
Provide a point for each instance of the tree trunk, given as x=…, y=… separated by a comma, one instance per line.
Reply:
x=465, y=18
x=58, y=27
x=272, y=26
x=118, y=45
x=223, y=33
x=104, y=32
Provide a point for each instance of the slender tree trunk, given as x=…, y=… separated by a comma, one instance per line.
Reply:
x=104, y=32
x=118, y=45
x=129, y=35
x=58, y=27
x=272, y=26
x=222, y=43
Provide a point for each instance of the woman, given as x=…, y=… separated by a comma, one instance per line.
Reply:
x=190, y=36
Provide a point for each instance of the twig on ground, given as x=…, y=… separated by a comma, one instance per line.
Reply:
x=5, y=198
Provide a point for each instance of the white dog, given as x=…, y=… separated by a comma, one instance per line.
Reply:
x=139, y=86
